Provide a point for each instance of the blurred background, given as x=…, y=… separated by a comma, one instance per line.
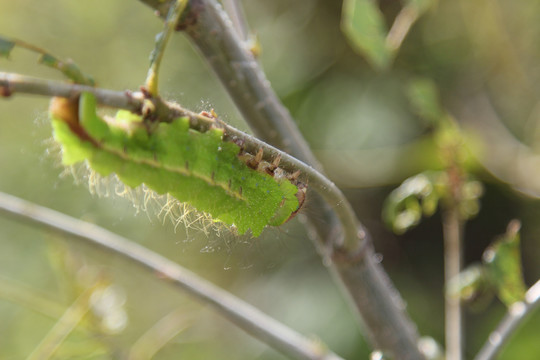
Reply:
x=482, y=58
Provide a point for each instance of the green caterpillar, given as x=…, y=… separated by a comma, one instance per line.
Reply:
x=199, y=168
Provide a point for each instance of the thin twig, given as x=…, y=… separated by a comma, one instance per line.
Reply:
x=134, y=101
x=66, y=67
x=15, y=83
x=161, y=42
x=517, y=313
x=250, y=319
x=452, y=232
x=400, y=28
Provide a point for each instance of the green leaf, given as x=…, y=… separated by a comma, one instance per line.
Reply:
x=364, y=26
x=472, y=286
x=503, y=263
x=416, y=196
x=424, y=98
x=5, y=47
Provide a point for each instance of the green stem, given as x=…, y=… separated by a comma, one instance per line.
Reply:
x=452, y=232
x=161, y=42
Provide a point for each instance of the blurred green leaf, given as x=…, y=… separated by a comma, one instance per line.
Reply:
x=471, y=191
x=6, y=46
x=503, y=263
x=67, y=68
x=472, y=287
x=419, y=196
x=453, y=145
x=424, y=98
x=415, y=197
x=364, y=26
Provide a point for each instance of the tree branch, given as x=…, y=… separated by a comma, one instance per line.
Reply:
x=134, y=102
x=250, y=319
x=236, y=14
x=339, y=237
x=517, y=313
